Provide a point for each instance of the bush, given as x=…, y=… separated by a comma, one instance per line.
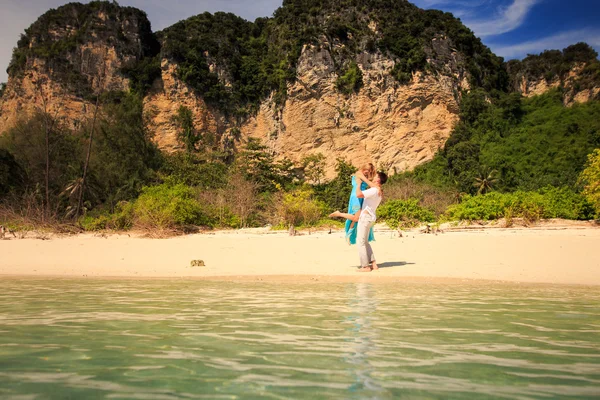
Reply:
x=168, y=207
x=531, y=206
x=406, y=186
x=350, y=80
x=590, y=178
x=404, y=213
x=565, y=203
x=121, y=219
x=298, y=208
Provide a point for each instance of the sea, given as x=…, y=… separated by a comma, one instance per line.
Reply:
x=194, y=339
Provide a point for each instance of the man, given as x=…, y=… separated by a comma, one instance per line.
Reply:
x=372, y=198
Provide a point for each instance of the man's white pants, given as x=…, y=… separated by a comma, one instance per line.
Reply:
x=365, y=252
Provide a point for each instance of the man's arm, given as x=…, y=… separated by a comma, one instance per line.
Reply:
x=367, y=193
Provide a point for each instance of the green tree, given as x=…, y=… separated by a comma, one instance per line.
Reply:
x=26, y=141
x=335, y=194
x=124, y=158
x=463, y=162
x=314, y=167
x=12, y=175
x=187, y=133
x=590, y=178
x=485, y=181
x=259, y=165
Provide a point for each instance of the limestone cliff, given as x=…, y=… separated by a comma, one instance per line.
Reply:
x=162, y=103
x=379, y=83
x=570, y=82
x=70, y=54
x=394, y=126
x=575, y=69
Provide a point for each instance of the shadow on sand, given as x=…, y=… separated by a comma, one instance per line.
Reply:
x=393, y=264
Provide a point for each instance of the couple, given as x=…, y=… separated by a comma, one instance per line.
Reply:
x=364, y=199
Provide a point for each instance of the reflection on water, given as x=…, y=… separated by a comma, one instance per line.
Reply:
x=192, y=339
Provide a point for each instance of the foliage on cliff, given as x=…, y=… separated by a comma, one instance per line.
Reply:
x=234, y=64
x=556, y=64
x=57, y=35
x=529, y=143
x=206, y=45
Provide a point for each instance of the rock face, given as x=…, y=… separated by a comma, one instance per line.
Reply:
x=72, y=53
x=394, y=126
x=397, y=127
x=571, y=82
x=69, y=54
x=164, y=100
x=38, y=91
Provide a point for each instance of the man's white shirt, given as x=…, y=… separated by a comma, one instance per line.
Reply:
x=370, y=204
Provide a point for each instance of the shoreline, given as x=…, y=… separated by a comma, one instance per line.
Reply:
x=553, y=253
x=308, y=280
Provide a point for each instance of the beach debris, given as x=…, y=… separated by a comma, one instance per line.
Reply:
x=5, y=231
x=431, y=228
x=197, y=263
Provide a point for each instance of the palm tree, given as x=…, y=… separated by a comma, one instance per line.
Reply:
x=75, y=191
x=485, y=181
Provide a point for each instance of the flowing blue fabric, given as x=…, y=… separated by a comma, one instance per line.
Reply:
x=354, y=206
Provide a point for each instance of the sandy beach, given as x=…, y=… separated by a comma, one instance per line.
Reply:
x=550, y=254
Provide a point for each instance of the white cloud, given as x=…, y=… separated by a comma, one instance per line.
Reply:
x=554, y=42
x=508, y=19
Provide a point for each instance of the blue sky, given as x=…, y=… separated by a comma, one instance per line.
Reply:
x=511, y=28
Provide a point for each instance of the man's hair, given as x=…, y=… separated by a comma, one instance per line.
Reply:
x=382, y=177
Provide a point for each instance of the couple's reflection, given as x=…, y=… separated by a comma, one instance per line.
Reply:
x=362, y=337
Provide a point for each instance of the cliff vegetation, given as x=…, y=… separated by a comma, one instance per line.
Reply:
x=508, y=156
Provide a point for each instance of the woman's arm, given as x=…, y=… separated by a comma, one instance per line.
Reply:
x=362, y=177
x=359, y=192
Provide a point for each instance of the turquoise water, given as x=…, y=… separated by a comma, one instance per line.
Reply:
x=154, y=339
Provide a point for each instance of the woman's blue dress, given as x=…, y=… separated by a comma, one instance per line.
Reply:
x=354, y=206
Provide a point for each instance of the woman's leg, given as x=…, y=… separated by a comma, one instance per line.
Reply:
x=355, y=220
x=351, y=217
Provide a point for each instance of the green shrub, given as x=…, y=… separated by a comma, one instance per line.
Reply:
x=350, y=80
x=531, y=206
x=298, y=208
x=92, y=223
x=565, y=203
x=167, y=207
x=121, y=219
x=590, y=179
x=404, y=213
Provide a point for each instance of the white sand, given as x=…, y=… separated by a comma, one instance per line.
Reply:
x=548, y=255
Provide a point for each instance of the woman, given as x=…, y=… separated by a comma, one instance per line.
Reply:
x=365, y=174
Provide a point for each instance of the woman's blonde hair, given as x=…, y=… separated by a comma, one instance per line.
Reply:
x=370, y=168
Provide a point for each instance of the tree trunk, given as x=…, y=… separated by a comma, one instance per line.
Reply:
x=87, y=158
x=101, y=77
